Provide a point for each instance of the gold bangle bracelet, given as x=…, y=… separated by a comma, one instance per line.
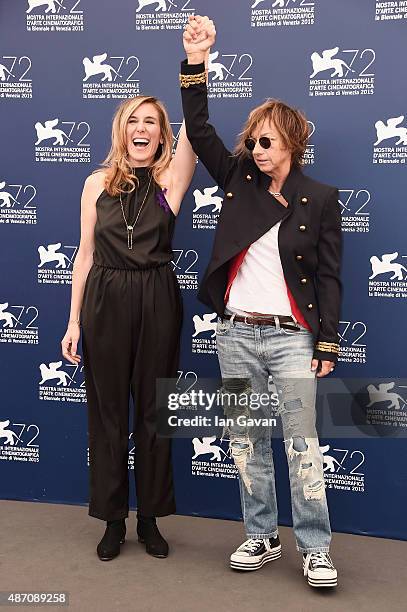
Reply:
x=192, y=79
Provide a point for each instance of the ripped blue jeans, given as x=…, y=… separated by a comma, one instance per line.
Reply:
x=248, y=355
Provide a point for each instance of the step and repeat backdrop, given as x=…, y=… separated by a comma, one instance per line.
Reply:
x=64, y=67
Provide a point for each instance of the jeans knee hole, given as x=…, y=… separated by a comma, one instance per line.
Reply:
x=299, y=444
x=239, y=446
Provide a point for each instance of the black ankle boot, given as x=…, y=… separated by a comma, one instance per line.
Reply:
x=149, y=535
x=109, y=546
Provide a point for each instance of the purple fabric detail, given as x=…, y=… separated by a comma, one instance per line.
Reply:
x=160, y=196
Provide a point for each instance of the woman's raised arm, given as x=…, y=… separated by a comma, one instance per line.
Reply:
x=198, y=38
x=181, y=170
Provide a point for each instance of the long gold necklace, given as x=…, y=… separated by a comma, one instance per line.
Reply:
x=130, y=227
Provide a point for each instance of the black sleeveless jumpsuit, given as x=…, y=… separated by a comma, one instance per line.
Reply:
x=131, y=323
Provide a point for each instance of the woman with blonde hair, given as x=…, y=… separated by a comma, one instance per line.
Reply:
x=126, y=297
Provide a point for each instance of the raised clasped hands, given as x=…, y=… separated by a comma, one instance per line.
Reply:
x=199, y=36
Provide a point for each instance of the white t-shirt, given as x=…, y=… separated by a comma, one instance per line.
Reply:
x=259, y=285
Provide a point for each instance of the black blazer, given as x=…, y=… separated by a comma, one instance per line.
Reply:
x=310, y=238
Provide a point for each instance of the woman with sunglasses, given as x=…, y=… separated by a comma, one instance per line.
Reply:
x=273, y=279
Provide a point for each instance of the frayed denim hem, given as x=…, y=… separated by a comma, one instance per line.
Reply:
x=262, y=536
x=306, y=551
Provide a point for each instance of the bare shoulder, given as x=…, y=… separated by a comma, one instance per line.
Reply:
x=96, y=179
x=94, y=185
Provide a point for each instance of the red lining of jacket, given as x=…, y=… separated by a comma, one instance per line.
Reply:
x=234, y=266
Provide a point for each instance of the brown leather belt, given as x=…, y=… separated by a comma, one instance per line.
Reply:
x=285, y=321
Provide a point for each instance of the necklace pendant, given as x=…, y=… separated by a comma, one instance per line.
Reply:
x=130, y=237
x=130, y=228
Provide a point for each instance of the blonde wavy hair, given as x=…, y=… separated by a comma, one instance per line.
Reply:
x=291, y=124
x=119, y=178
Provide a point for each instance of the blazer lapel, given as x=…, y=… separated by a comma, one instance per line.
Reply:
x=237, y=230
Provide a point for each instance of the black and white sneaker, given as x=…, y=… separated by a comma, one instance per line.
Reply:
x=319, y=569
x=253, y=554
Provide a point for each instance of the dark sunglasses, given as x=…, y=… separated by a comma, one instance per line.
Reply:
x=264, y=142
